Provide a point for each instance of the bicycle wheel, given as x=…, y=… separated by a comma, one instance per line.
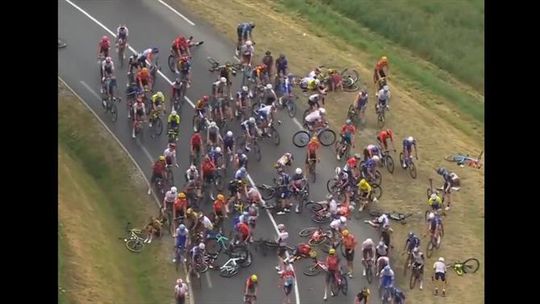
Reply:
x=275, y=136
x=229, y=271
x=312, y=270
x=331, y=185
x=380, y=119
x=171, y=63
x=369, y=274
x=114, y=111
x=320, y=219
x=347, y=87
x=412, y=170
x=327, y=137
x=344, y=285
x=267, y=192
x=471, y=265
x=135, y=245
x=157, y=126
x=412, y=280
x=313, y=172
x=291, y=108
x=257, y=151
x=429, y=249
x=307, y=231
x=334, y=286
x=201, y=267
x=350, y=74
x=301, y=139
x=377, y=191
x=389, y=164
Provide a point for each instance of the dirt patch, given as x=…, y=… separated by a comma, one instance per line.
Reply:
x=436, y=137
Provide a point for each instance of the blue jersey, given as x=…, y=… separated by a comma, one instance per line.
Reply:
x=181, y=240
x=245, y=28
x=214, y=155
x=286, y=87
x=387, y=280
x=239, y=175
x=228, y=141
x=413, y=242
x=241, y=95
x=285, y=179
x=408, y=144
x=369, y=164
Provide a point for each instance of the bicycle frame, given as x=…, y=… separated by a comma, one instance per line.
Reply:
x=233, y=264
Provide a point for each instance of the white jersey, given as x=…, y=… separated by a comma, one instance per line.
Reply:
x=312, y=74
x=192, y=174
x=247, y=50
x=206, y=222
x=383, y=219
x=337, y=225
x=418, y=258
x=170, y=196
x=266, y=110
x=313, y=116
x=146, y=52
x=367, y=244
x=382, y=249
x=170, y=153
x=383, y=96
x=181, y=290
x=439, y=267
x=282, y=238
x=332, y=207
x=104, y=63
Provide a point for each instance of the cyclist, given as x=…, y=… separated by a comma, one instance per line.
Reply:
x=343, y=180
x=382, y=262
x=439, y=268
x=281, y=65
x=251, y=287
x=386, y=281
x=408, y=144
x=434, y=226
x=451, y=180
x=363, y=295
x=216, y=155
x=349, y=244
x=143, y=78
x=208, y=169
x=379, y=222
x=297, y=184
x=147, y=54
x=382, y=138
x=398, y=296
x=195, y=144
x=249, y=126
x=244, y=31
x=371, y=150
x=184, y=69
x=285, y=87
x=284, y=192
x=253, y=195
x=122, y=34
x=192, y=174
x=206, y=223
x=381, y=249
x=268, y=60
x=418, y=261
x=212, y=134
x=313, y=100
x=220, y=207
x=107, y=69
x=347, y=135
x=240, y=174
x=139, y=114
x=103, y=47
x=170, y=155
x=360, y=103
x=192, y=217
x=381, y=69
x=247, y=51
x=287, y=276
x=229, y=143
x=169, y=199
x=197, y=254
x=285, y=160
x=253, y=214
x=240, y=159
x=180, y=206
x=368, y=253
x=332, y=262
x=158, y=105
x=243, y=233
x=302, y=250
x=176, y=85
x=265, y=117
x=364, y=191
x=180, y=47
x=412, y=242
x=181, y=241
x=311, y=153
x=243, y=99
x=173, y=123
x=180, y=291
x=283, y=235
x=316, y=119
x=435, y=201
x=336, y=226
x=369, y=167
x=269, y=95
x=383, y=98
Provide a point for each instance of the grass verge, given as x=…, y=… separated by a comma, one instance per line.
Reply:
x=100, y=190
x=439, y=127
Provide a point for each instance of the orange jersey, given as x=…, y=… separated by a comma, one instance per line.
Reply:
x=313, y=146
x=180, y=204
x=383, y=136
x=218, y=205
x=380, y=65
x=349, y=242
x=142, y=75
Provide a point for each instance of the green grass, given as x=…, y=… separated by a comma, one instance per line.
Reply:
x=423, y=74
x=99, y=192
x=448, y=33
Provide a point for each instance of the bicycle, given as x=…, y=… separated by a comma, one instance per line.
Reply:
x=350, y=80
x=315, y=268
x=120, y=48
x=178, y=97
x=434, y=243
x=464, y=159
x=134, y=239
x=408, y=164
x=353, y=115
x=312, y=166
x=343, y=149
x=289, y=102
x=230, y=268
x=301, y=197
x=387, y=161
x=415, y=275
x=156, y=124
x=471, y=265
x=369, y=270
x=216, y=66
x=380, y=110
x=255, y=148
x=108, y=101
x=393, y=215
x=339, y=282
x=325, y=135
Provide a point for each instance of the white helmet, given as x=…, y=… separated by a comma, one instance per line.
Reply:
x=202, y=246
x=433, y=196
x=376, y=158
x=431, y=215
x=192, y=168
x=179, y=281
x=441, y=259
x=381, y=243
x=213, y=124
x=218, y=149
x=338, y=170
x=410, y=138
x=245, y=88
x=252, y=119
x=369, y=240
x=322, y=111
x=280, y=227
x=298, y=171
x=223, y=80
x=173, y=189
x=343, y=219
x=249, y=43
x=229, y=133
x=269, y=86
x=173, y=112
x=385, y=88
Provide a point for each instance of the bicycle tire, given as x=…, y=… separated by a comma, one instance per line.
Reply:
x=135, y=245
x=327, y=137
x=320, y=220
x=226, y=273
x=291, y=108
x=114, y=111
x=267, y=192
x=389, y=164
x=471, y=268
x=170, y=63
x=412, y=280
x=353, y=74
x=275, y=136
x=344, y=285
x=331, y=185
x=307, y=231
x=195, y=123
x=312, y=270
x=412, y=170
x=201, y=267
x=380, y=119
x=369, y=274
x=314, y=206
x=334, y=287
x=376, y=190
x=429, y=249
x=301, y=138
x=158, y=126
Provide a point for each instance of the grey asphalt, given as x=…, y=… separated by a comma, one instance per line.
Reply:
x=153, y=25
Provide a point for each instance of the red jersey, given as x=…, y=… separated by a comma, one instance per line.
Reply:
x=243, y=229
x=332, y=262
x=383, y=136
x=312, y=147
x=218, y=205
x=304, y=249
x=381, y=64
x=104, y=44
x=180, y=204
x=208, y=167
x=180, y=43
x=159, y=167
x=348, y=129
x=351, y=162
x=196, y=140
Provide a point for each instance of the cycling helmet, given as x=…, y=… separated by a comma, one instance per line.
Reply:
x=254, y=278
x=384, y=59
x=441, y=259
x=433, y=196
x=192, y=168
x=252, y=120
x=182, y=227
x=155, y=50
x=376, y=158
x=249, y=43
x=179, y=281
x=229, y=133
x=173, y=113
x=381, y=243
x=387, y=269
x=431, y=215
x=363, y=182
x=280, y=227
x=162, y=158
x=189, y=211
x=386, y=88
x=245, y=89
x=213, y=124
x=202, y=246
x=220, y=197
x=369, y=240
x=332, y=251
x=218, y=149
x=345, y=232
x=343, y=219
x=223, y=80
x=298, y=171
x=338, y=170
x=269, y=86
x=105, y=38
x=205, y=98
x=144, y=70
x=181, y=195
x=348, y=121
x=322, y=111
x=411, y=234
x=173, y=189
x=108, y=59
x=160, y=95
x=289, y=155
x=243, y=170
x=410, y=138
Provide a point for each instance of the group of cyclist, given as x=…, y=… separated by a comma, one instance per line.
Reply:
x=355, y=178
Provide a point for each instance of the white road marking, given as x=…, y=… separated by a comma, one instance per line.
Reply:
x=176, y=12
x=208, y=279
x=297, y=123
x=91, y=91
x=237, y=59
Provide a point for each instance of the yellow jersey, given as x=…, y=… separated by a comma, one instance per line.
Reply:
x=364, y=188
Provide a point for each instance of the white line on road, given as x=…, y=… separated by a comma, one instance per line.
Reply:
x=176, y=12
x=90, y=89
x=297, y=123
x=208, y=279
